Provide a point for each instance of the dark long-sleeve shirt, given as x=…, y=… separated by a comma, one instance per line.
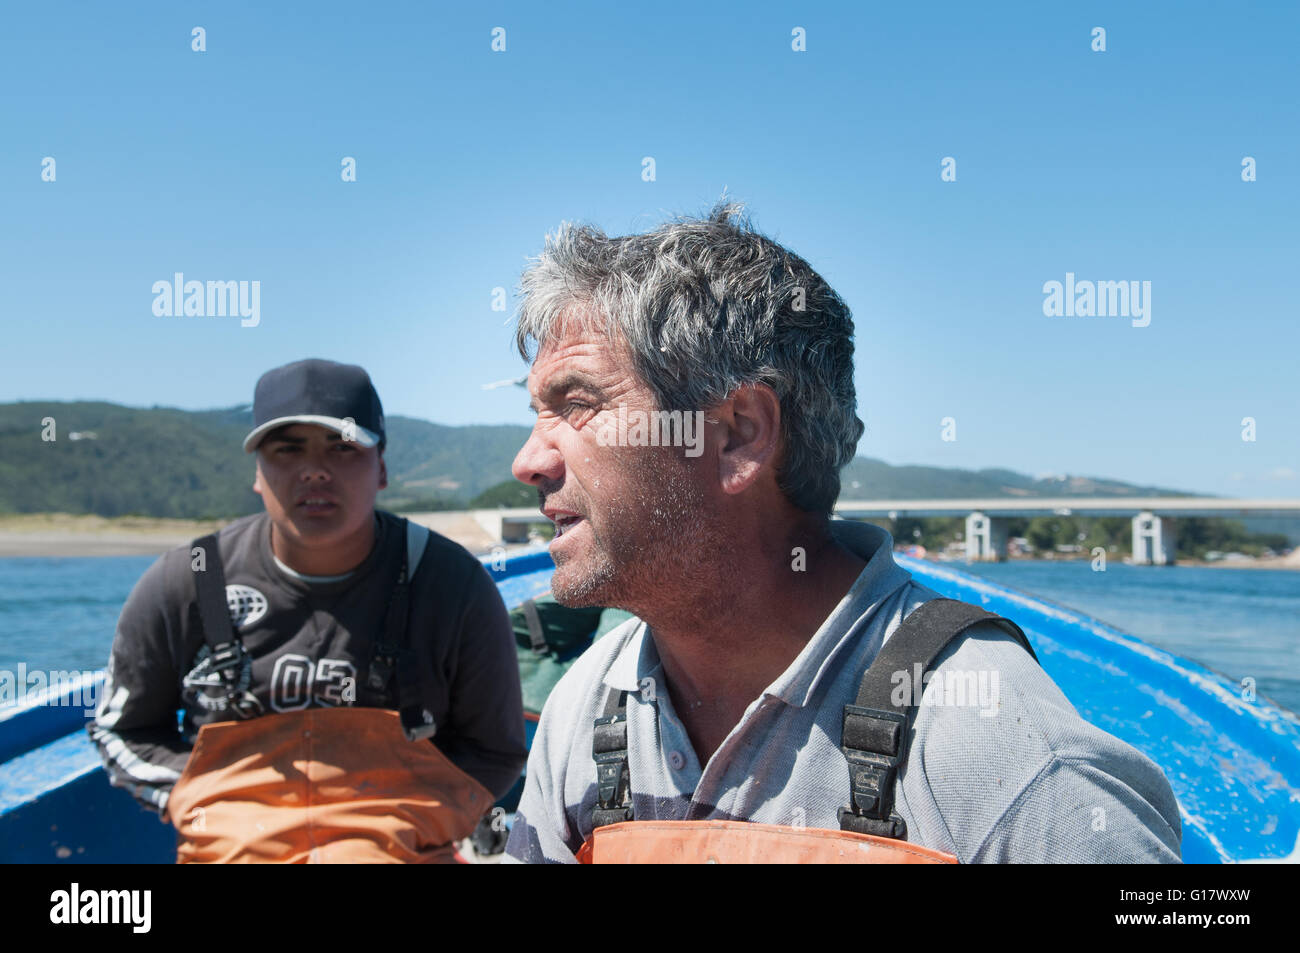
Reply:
x=310, y=643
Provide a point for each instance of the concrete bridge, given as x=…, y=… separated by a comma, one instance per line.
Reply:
x=1154, y=532
x=1153, y=517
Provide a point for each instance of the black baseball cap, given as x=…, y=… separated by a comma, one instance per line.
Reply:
x=337, y=396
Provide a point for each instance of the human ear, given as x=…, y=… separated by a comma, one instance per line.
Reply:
x=751, y=436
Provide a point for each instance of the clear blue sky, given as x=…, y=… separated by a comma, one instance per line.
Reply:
x=1122, y=165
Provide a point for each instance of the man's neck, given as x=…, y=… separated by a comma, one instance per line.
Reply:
x=720, y=653
x=339, y=557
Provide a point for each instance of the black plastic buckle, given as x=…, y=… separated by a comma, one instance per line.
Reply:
x=872, y=731
x=893, y=827
x=869, y=786
x=609, y=749
x=872, y=742
x=610, y=770
x=417, y=723
x=227, y=661
x=381, y=672
x=227, y=653
x=609, y=736
x=603, y=816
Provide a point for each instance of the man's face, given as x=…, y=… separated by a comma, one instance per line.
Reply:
x=318, y=488
x=626, y=516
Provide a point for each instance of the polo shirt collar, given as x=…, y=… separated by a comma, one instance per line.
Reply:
x=880, y=578
x=637, y=659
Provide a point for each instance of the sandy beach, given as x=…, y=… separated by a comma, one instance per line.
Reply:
x=1274, y=562
x=62, y=534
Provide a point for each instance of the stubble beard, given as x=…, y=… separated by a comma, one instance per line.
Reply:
x=651, y=545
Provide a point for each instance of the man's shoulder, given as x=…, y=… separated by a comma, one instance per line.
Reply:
x=234, y=533
x=236, y=541
x=996, y=739
x=986, y=688
x=988, y=720
x=438, y=551
x=169, y=575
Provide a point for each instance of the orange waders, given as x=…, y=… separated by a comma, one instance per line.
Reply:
x=321, y=785
x=874, y=744
x=347, y=784
x=739, y=842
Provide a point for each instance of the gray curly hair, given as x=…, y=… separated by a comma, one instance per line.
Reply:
x=705, y=306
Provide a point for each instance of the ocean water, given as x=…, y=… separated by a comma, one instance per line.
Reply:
x=59, y=613
x=1242, y=623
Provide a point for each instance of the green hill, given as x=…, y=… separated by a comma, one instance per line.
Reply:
x=866, y=478
x=112, y=460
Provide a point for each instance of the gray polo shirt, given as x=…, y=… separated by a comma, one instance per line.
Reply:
x=1007, y=774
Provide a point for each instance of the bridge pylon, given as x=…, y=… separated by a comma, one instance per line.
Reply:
x=986, y=538
x=1154, y=540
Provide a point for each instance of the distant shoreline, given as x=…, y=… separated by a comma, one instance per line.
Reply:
x=1291, y=562
x=62, y=534
x=66, y=535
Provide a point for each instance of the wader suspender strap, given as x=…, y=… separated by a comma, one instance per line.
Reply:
x=609, y=747
x=536, y=634
x=874, y=738
x=392, y=649
x=227, y=652
x=393, y=652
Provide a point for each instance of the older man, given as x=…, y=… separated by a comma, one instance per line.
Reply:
x=739, y=694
